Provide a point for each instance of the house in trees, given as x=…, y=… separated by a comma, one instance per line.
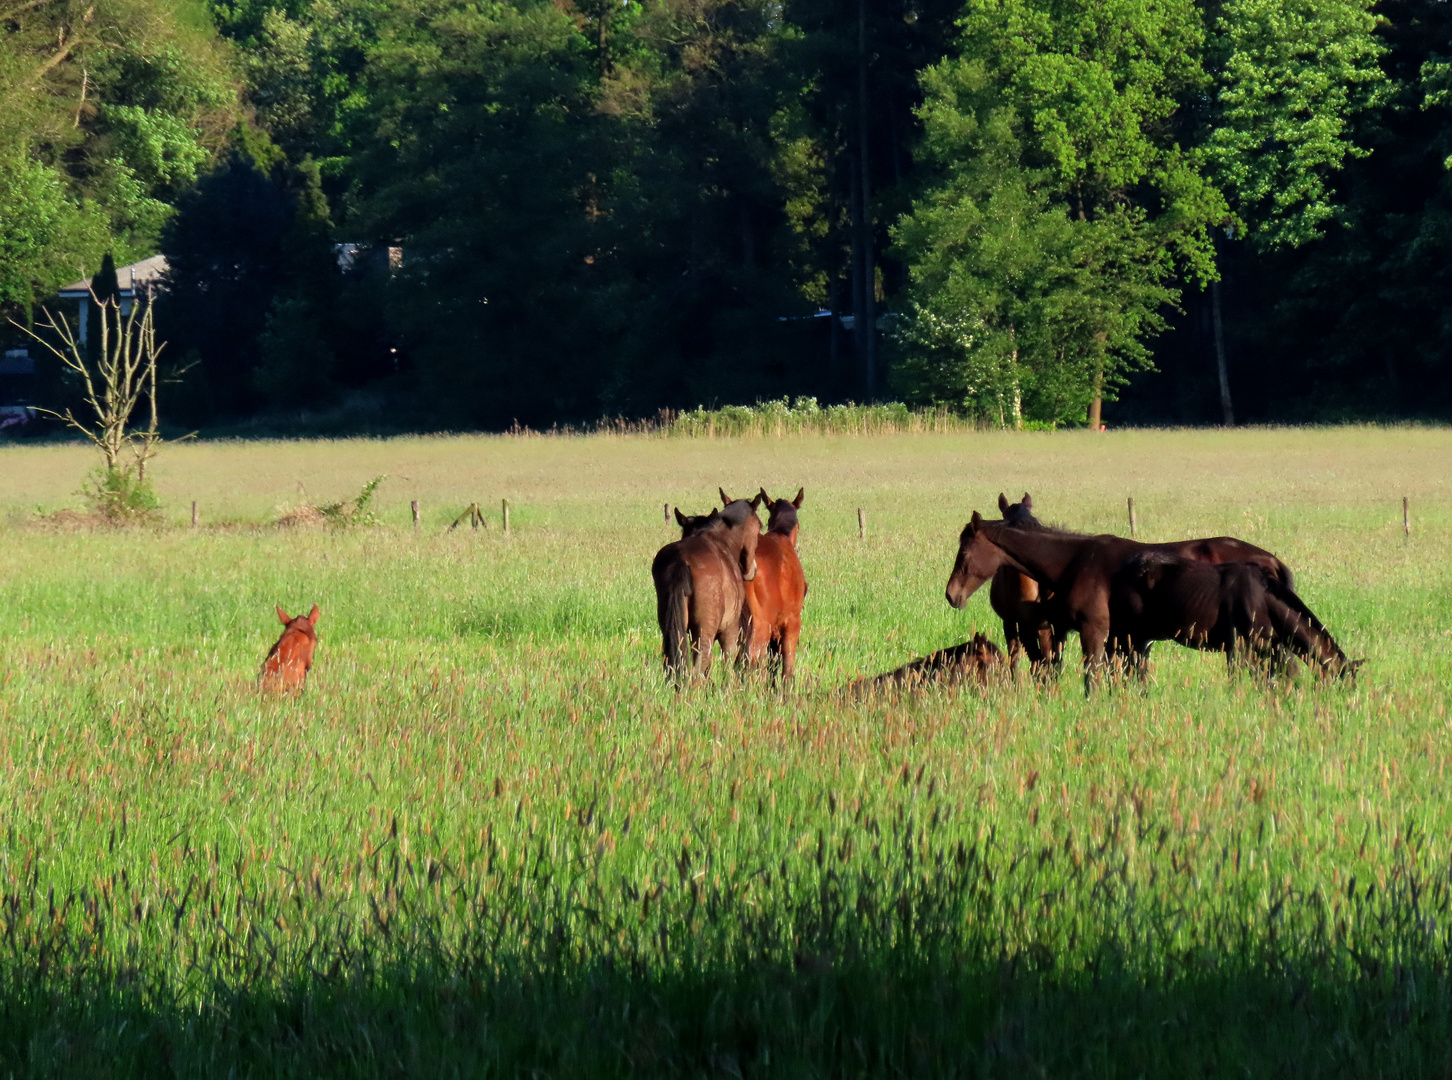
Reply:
x=134, y=280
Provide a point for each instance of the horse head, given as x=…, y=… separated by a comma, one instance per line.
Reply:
x=781, y=514
x=978, y=560
x=303, y=624
x=744, y=529
x=1020, y=515
x=697, y=524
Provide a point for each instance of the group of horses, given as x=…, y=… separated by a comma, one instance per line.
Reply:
x=726, y=581
x=1121, y=596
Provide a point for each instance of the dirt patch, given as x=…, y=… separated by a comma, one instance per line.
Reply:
x=300, y=516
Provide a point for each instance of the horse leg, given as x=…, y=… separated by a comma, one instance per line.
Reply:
x=1013, y=644
x=707, y=631
x=790, y=633
x=1093, y=636
x=729, y=633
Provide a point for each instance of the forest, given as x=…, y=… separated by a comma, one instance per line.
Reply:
x=454, y=214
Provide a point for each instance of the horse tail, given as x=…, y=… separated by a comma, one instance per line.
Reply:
x=672, y=595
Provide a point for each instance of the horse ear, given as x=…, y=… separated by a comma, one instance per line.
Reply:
x=681, y=518
x=313, y=615
x=764, y=497
x=1028, y=503
x=725, y=499
x=758, y=498
x=797, y=502
x=283, y=616
x=976, y=520
x=1002, y=503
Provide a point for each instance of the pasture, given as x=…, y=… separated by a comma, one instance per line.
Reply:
x=488, y=840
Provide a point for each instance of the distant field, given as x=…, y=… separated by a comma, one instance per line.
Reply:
x=488, y=840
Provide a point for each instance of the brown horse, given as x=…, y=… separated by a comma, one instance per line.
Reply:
x=979, y=659
x=774, y=598
x=1022, y=603
x=700, y=584
x=1030, y=617
x=288, y=663
x=1079, y=570
x=1239, y=609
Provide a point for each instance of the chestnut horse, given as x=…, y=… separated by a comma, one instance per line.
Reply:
x=700, y=584
x=774, y=598
x=287, y=664
x=1084, y=571
x=1027, y=609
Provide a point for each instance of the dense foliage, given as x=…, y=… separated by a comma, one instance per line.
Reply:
x=559, y=211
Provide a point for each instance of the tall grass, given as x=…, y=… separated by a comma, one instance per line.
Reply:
x=488, y=839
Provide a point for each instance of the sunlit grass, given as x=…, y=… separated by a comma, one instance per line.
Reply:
x=488, y=837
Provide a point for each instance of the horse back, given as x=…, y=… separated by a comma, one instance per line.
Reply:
x=288, y=662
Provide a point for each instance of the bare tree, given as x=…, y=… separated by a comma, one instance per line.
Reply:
x=122, y=378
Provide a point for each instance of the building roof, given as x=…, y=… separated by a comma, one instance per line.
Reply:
x=136, y=275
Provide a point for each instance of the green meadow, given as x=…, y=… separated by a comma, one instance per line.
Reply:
x=489, y=840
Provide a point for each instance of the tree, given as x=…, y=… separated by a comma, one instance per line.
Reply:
x=121, y=376
x=107, y=109
x=1060, y=203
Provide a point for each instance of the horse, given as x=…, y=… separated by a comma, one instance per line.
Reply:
x=979, y=659
x=1022, y=603
x=1240, y=609
x=700, y=583
x=774, y=597
x=1079, y=570
x=287, y=664
x=1026, y=606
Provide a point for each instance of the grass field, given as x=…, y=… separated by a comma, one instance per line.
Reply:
x=489, y=841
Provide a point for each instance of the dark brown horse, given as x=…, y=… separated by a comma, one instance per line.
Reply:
x=1240, y=609
x=1079, y=570
x=980, y=660
x=1031, y=619
x=1021, y=602
x=700, y=584
x=774, y=598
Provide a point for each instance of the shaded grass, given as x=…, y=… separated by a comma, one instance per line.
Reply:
x=488, y=839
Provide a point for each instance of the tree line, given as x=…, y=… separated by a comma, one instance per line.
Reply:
x=557, y=210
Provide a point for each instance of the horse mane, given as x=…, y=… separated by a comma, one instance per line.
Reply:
x=1017, y=516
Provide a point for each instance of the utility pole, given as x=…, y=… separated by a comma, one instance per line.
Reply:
x=1227, y=412
x=866, y=321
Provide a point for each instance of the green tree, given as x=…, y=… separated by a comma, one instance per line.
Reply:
x=1059, y=206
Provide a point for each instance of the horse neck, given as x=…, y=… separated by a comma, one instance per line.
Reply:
x=1042, y=554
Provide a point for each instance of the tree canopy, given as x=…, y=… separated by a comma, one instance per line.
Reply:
x=545, y=211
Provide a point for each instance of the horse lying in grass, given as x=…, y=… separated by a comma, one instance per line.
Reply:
x=775, y=596
x=1035, y=625
x=979, y=660
x=1084, y=572
x=287, y=665
x=700, y=584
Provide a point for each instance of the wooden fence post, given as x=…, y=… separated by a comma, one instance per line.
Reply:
x=861, y=524
x=194, y=513
x=1132, y=522
x=1406, y=517
x=504, y=507
x=413, y=509
x=666, y=512
x=474, y=515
